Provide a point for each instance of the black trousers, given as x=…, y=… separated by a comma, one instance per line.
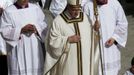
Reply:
x=3, y=65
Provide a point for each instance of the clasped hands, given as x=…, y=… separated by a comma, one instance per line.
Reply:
x=28, y=30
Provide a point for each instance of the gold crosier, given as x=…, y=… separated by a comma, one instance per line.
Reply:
x=96, y=52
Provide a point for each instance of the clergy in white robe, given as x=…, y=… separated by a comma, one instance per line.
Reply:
x=69, y=47
x=113, y=26
x=3, y=5
x=23, y=29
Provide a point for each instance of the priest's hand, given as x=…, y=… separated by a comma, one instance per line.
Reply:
x=29, y=29
x=74, y=39
x=96, y=25
x=109, y=42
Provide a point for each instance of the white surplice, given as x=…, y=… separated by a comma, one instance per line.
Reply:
x=24, y=54
x=113, y=25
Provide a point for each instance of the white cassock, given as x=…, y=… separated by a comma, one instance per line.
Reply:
x=128, y=73
x=3, y=4
x=62, y=57
x=113, y=24
x=24, y=54
x=58, y=6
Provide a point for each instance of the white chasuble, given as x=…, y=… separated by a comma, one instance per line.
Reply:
x=64, y=58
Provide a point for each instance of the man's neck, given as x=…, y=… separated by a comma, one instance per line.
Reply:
x=20, y=6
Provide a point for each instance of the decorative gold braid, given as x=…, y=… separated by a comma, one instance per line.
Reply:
x=79, y=19
x=79, y=53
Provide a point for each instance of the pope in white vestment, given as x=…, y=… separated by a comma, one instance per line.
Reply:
x=62, y=56
x=24, y=51
x=113, y=25
x=65, y=61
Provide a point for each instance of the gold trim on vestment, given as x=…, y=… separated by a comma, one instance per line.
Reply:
x=79, y=51
x=79, y=19
x=91, y=51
